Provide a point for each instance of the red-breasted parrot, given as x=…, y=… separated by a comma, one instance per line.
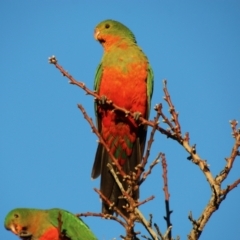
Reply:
x=36, y=224
x=124, y=76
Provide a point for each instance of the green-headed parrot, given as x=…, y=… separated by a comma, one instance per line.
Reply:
x=36, y=224
x=124, y=76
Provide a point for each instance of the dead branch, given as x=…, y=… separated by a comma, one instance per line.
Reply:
x=167, y=196
x=110, y=204
x=101, y=140
x=165, y=179
x=158, y=231
x=173, y=132
x=145, y=201
x=176, y=129
x=102, y=215
x=148, y=172
x=166, y=235
x=146, y=224
x=142, y=165
x=135, y=213
x=218, y=194
x=235, y=152
x=224, y=192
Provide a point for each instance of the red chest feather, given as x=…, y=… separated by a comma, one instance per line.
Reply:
x=127, y=90
x=50, y=234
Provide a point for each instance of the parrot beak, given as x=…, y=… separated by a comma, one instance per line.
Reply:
x=21, y=233
x=13, y=229
x=96, y=33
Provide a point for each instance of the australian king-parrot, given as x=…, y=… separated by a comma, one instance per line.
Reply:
x=125, y=77
x=36, y=224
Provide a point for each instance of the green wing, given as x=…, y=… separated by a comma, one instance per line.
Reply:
x=98, y=76
x=150, y=84
x=72, y=226
x=97, y=81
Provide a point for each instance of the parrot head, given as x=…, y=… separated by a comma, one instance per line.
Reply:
x=16, y=222
x=109, y=32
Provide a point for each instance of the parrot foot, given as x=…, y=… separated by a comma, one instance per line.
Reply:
x=136, y=115
x=103, y=100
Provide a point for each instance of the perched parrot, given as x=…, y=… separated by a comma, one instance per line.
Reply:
x=124, y=76
x=36, y=224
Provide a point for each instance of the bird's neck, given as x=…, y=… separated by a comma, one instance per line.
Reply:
x=115, y=42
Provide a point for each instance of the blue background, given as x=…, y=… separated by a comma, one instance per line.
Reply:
x=47, y=148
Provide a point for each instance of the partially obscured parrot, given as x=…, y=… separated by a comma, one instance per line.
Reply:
x=124, y=76
x=36, y=224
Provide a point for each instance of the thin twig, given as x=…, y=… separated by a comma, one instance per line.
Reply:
x=102, y=215
x=158, y=231
x=110, y=204
x=230, y=187
x=167, y=98
x=148, y=172
x=235, y=152
x=145, y=201
x=165, y=179
x=167, y=196
x=150, y=141
x=146, y=224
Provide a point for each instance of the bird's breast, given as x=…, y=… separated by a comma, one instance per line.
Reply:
x=126, y=85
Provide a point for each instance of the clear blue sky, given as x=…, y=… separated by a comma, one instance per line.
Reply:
x=47, y=148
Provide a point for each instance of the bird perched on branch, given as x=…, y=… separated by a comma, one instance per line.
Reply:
x=52, y=224
x=125, y=77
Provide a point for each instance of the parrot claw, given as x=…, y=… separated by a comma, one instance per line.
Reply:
x=136, y=115
x=103, y=100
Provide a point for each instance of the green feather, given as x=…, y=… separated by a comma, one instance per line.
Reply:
x=72, y=226
x=97, y=81
x=98, y=76
x=150, y=84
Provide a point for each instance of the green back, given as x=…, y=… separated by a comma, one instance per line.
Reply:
x=72, y=227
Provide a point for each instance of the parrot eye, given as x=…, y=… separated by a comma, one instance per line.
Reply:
x=16, y=215
x=107, y=25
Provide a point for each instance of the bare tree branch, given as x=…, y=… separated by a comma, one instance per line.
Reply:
x=235, y=152
x=102, y=215
x=110, y=204
x=167, y=196
x=152, y=165
x=142, y=165
x=136, y=179
x=101, y=140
